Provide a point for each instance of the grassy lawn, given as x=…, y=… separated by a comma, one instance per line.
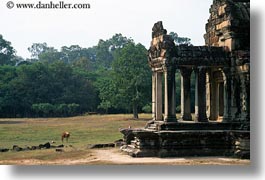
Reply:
x=84, y=130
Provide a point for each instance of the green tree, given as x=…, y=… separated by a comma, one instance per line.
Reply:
x=7, y=52
x=50, y=56
x=45, y=83
x=180, y=40
x=37, y=48
x=132, y=77
x=106, y=48
x=7, y=73
x=41, y=51
x=83, y=63
x=107, y=90
x=72, y=53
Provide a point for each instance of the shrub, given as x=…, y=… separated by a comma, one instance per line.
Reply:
x=43, y=109
x=147, y=108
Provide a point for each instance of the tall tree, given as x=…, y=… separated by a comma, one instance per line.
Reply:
x=7, y=52
x=107, y=90
x=132, y=77
x=71, y=53
x=180, y=40
x=37, y=49
x=106, y=48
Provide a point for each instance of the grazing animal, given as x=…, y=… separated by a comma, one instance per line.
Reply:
x=65, y=135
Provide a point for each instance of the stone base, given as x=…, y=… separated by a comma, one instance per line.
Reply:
x=189, y=139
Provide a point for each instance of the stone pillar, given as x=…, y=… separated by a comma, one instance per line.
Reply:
x=221, y=99
x=214, y=96
x=170, y=97
x=208, y=94
x=185, y=93
x=153, y=95
x=227, y=117
x=200, y=95
x=247, y=102
x=245, y=97
x=158, y=96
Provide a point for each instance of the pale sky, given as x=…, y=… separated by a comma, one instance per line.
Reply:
x=84, y=27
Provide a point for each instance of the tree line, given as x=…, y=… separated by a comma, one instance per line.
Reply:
x=111, y=77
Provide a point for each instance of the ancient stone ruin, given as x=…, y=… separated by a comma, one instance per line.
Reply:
x=221, y=125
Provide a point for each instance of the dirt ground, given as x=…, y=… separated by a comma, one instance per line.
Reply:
x=114, y=156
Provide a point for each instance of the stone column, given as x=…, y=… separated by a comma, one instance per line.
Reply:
x=200, y=95
x=214, y=96
x=170, y=97
x=185, y=93
x=158, y=97
x=208, y=94
x=221, y=99
x=247, y=102
x=227, y=117
x=153, y=95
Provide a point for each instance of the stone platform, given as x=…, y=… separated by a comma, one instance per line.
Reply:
x=188, y=139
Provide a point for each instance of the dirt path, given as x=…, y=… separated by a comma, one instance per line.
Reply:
x=114, y=156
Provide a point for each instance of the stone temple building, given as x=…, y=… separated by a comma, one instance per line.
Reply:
x=221, y=125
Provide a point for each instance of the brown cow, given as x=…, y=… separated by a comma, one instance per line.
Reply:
x=65, y=135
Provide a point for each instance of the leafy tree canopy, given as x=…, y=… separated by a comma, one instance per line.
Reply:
x=7, y=52
x=128, y=82
x=180, y=40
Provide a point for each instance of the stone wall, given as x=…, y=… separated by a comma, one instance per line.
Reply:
x=229, y=25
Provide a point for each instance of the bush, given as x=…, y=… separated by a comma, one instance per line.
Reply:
x=73, y=109
x=49, y=110
x=43, y=109
x=61, y=109
x=147, y=108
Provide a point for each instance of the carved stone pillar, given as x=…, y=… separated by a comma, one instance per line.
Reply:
x=247, y=84
x=185, y=93
x=170, y=99
x=153, y=95
x=158, y=96
x=245, y=97
x=227, y=117
x=200, y=95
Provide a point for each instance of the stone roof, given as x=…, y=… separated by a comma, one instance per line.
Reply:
x=201, y=56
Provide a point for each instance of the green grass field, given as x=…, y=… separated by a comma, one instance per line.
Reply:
x=84, y=130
